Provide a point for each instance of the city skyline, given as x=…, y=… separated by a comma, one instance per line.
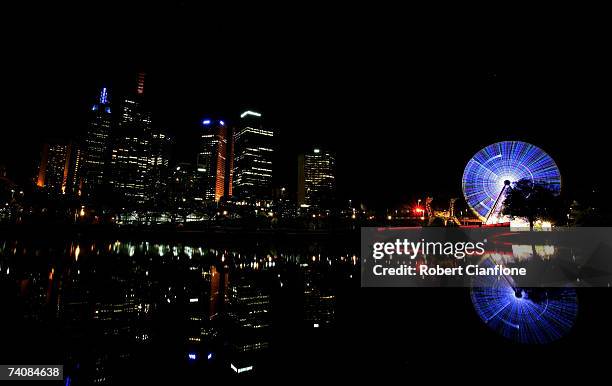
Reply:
x=572, y=160
x=129, y=157
x=383, y=100
x=287, y=173
x=124, y=170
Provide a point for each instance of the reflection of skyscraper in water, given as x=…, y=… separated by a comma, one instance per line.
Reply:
x=249, y=313
x=319, y=301
x=75, y=293
x=37, y=296
x=216, y=294
x=123, y=314
x=250, y=305
x=126, y=305
x=120, y=313
x=203, y=304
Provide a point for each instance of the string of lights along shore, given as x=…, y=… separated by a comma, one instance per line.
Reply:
x=123, y=159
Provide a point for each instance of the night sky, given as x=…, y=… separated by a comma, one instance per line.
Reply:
x=404, y=104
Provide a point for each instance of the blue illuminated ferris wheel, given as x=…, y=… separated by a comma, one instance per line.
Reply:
x=496, y=167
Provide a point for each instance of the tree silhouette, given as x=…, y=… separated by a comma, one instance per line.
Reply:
x=532, y=201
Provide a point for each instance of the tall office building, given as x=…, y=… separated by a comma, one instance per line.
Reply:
x=158, y=169
x=96, y=145
x=253, y=154
x=59, y=168
x=229, y=169
x=213, y=158
x=132, y=149
x=316, y=177
x=183, y=186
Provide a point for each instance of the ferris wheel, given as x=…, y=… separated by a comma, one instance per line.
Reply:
x=525, y=315
x=494, y=169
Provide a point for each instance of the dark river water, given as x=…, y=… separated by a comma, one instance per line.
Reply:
x=121, y=311
x=111, y=310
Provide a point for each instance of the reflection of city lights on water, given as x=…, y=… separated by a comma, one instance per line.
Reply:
x=524, y=251
x=545, y=251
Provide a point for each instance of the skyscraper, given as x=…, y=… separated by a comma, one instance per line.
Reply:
x=316, y=177
x=229, y=167
x=253, y=154
x=132, y=149
x=59, y=168
x=96, y=152
x=183, y=181
x=212, y=160
x=158, y=169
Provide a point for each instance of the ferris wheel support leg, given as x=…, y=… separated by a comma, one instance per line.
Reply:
x=497, y=201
